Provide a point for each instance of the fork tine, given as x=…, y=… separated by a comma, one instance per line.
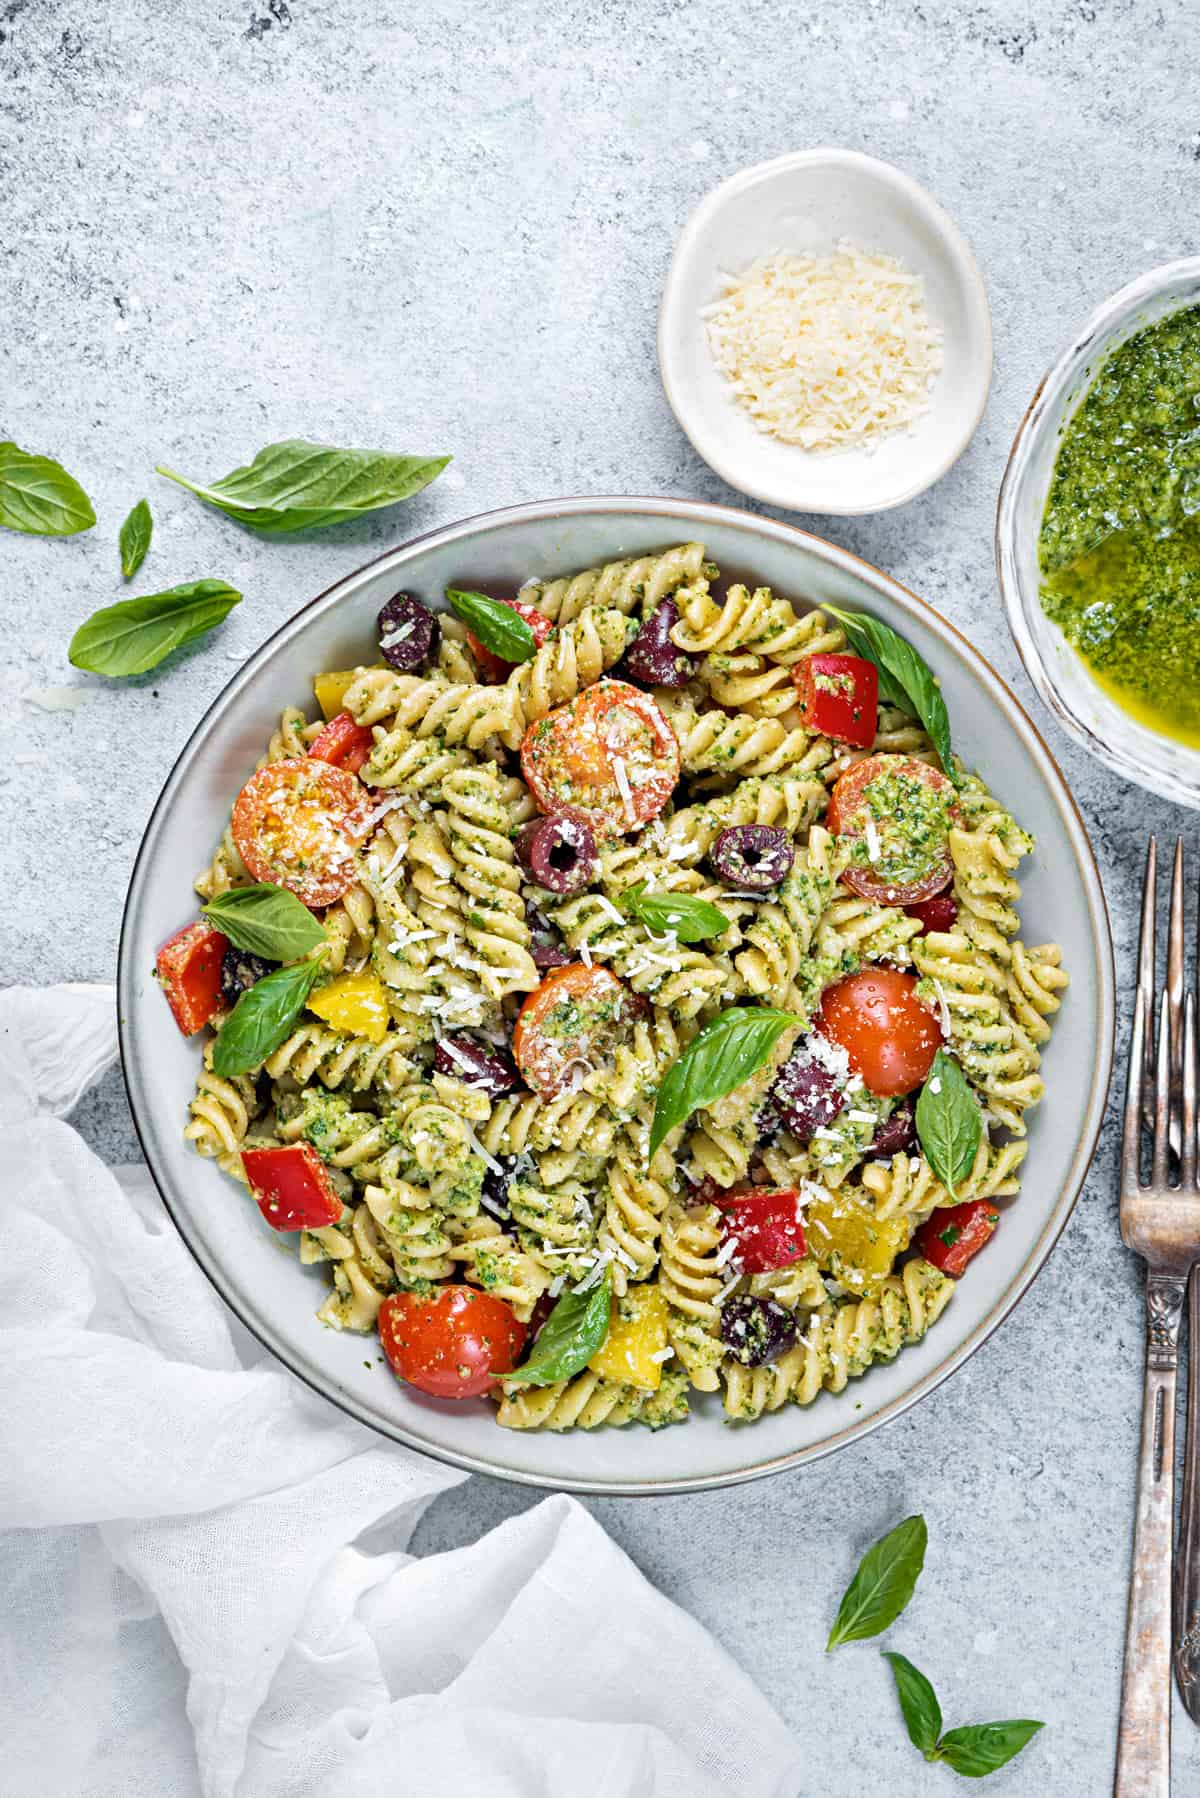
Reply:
x=1187, y=1160
x=1174, y=987
x=1146, y=958
x=1141, y=1065
x=1162, y=1096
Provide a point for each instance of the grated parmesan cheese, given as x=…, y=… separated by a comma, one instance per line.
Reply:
x=826, y=351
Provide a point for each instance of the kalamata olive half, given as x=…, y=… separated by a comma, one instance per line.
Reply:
x=240, y=971
x=408, y=631
x=653, y=658
x=805, y=1095
x=752, y=857
x=559, y=851
x=897, y=1135
x=545, y=944
x=756, y=1330
x=463, y=1058
x=493, y=1194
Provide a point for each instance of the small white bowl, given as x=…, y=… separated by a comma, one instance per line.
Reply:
x=804, y=204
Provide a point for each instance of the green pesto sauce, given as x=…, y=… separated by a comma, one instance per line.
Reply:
x=1120, y=541
x=912, y=822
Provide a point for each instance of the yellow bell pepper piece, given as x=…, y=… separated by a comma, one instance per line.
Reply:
x=636, y=1335
x=355, y=1003
x=330, y=690
x=850, y=1242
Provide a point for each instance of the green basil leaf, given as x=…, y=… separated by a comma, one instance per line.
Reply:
x=949, y=1122
x=980, y=1748
x=262, y=1018
x=135, y=537
x=883, y=1585
x=726, y=1052
x=918, y=1704
x=135, y=634
x=497, y=626
x=569, y=1337
x=39, y=497
x=265, y=920
x=688, y=918
x=906, y=677
x=298, y=486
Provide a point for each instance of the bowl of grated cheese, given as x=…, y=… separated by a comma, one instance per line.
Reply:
x=824, y=337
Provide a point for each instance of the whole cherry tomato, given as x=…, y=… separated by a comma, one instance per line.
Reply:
x=889, y=1035
x=906, y=841
x=455, y=1343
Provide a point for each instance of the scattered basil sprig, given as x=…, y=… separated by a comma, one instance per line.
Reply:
x=265, y=920
x=39, y=497
x=976, y=1749
x=906, y=677
x=949, y=1123
x=569, y=1337
x=262, y=1018
x=135, y=537
x=135, y=634
x=686, y=917
x=885, y=1581
x=726, y=1052
x=498, y=627
x=298, y=486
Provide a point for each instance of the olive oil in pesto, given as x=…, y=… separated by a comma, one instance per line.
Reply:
x=1120, y=541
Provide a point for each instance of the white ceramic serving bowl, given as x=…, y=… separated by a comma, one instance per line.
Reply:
x=805, y=203
x=1082, y=707
x=260, y=1276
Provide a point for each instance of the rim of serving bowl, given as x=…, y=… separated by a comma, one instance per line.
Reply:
x=1121, y=304
x=961, y=256
x=697, y=512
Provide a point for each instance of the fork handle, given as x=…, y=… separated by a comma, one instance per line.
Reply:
x=1144, y=1743
x=1187, y=1556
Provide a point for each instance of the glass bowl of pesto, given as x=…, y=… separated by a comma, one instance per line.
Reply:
x=1098, y=534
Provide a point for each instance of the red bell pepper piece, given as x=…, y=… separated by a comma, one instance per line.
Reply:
x=189, y=972
x=956, y=1232
x=344, y=743
x=765, y=1225
x=493, y=668
x=293, y=1186
x=938, y=913
x=839, y=697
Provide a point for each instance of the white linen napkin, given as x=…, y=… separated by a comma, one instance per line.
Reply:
x=178, y=1514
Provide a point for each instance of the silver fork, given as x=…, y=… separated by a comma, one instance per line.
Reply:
x=1161, y=1222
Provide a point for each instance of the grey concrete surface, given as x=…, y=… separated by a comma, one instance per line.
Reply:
x=445, y=227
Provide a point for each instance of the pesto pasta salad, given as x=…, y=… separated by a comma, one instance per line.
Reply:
x=618, y=990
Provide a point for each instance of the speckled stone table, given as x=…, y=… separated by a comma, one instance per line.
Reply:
x=445, y=228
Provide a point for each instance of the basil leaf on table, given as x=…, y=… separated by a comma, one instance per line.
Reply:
x=135, y=634
x=39, y=497
x=570, y=1335
x=949, y=1122
x=497, y=626
x=688, y=918
x=906, y=679
x=262, y=1018
x=726, y=1052
x=980, y=1748
x=298, y=486
x=135, y=537
x=918, y=1704
x=886, y=1578
x=265, y=920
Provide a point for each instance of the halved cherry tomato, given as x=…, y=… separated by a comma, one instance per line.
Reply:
x=189, y=972
x=956, y=1232
x=766, y=1226
x=608, y=755
x=293, y=1187
x=905, y=854
x=839, y=697
x=889, y=1035
x=938, y=913
x=564, y=1023
x=343, y=743
x=493, y=668
x=453, y=1344
x=295, y=823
